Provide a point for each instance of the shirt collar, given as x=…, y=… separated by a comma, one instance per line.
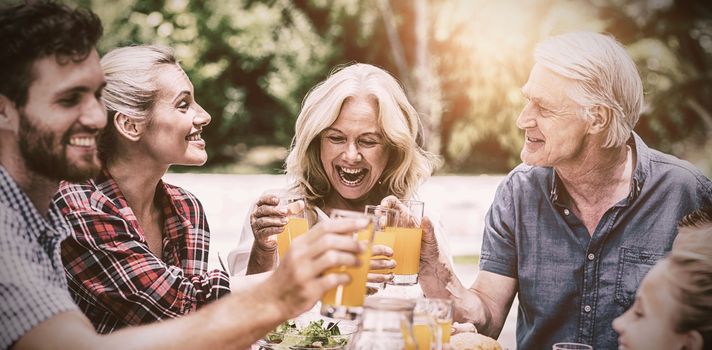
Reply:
x=16, y=199
x=110, y=188
x=642, y=168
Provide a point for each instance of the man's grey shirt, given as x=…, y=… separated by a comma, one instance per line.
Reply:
x=571, y=286
x=33, y=287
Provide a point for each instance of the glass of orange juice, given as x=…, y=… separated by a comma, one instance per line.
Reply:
x=425, y=328
x=432, y=322
x=385, y=218
x=346, y=300
x=406, y=251
x=297, y=223
x=441, y=310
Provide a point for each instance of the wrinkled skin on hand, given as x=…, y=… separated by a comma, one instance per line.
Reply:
x=435, y=272
x=268, y=219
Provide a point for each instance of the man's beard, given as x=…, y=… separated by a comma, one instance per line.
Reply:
x=45, y=156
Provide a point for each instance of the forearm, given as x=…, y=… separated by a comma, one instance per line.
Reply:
x=470, y=306
x=438, y=280
x=234, y=322
x=239, y=282
x=261, y=260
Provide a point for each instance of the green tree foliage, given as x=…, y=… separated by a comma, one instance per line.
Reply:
x=252, y=62
x=671, y=42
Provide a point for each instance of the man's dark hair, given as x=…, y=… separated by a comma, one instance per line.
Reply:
x=38, y=29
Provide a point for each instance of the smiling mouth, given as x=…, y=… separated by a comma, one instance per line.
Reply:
x=194, y=137
x=534, y=139
x=351, y=176
x=82, y=141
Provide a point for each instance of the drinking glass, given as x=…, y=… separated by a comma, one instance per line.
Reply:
x=571, y=346
x=346, y=301
x=425, y=328
x=386, y=219
x=432, y=322
x=386, y=324
x=441, y=310
x=297, y=223
x=407, y=247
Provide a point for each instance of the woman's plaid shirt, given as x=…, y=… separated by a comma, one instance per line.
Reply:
x=114, y=277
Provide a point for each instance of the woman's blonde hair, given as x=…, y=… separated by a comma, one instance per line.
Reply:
x=690, y=271
x=130, y=74
x=408, y=165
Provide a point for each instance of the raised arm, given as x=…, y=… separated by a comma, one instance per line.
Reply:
x=233, y=322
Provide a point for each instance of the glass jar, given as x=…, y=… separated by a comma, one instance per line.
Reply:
x=386, y=324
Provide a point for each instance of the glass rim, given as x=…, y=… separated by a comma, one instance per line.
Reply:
x=389, y=304
x=379, y=208
x=445, y=300
x=348, y=214
x=580, y=345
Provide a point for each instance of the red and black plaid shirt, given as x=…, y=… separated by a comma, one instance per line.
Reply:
x=114, y=277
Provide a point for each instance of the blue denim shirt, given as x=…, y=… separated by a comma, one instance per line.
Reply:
x=571, y=285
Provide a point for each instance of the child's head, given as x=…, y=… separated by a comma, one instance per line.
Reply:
x=673, y=306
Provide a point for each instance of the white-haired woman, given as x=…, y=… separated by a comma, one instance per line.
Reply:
x=139, y=249
x=357, y=141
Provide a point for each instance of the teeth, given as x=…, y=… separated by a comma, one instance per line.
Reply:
x=351, y=171
x=352, y=176
x=82, y=141
x=195, y=137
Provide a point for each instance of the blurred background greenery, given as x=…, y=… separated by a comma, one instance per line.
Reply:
x=462, y=63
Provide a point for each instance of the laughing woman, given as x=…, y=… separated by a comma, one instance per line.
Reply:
x=357, y=140
x=139, y=250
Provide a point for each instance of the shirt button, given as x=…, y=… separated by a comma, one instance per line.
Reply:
x=591, y=256
x=566, y=212
x=587, y=308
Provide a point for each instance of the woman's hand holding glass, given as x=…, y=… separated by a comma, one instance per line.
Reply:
x=270, y=218
x=381, y=264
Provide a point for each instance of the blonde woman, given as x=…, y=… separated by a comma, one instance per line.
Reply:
x=673, y=306
x=357, y=140
x=139, y=248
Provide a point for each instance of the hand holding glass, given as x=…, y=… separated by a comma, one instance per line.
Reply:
x=346, y=301
x=384, y=234
x=297, y=223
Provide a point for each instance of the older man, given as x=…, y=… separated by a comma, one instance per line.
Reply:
x=50, y=114
x=573, y=230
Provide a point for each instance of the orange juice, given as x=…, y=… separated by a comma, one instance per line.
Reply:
x=295, y=226
x=353, y=293
x=446, y=329
x=409, y=342
x=423, y=335
x=406, y=251
x=387, y=238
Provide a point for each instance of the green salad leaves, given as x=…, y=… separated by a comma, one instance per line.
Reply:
x=314, y=336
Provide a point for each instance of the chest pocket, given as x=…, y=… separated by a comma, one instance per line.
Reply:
x=633, y=264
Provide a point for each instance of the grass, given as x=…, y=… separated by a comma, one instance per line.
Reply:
x=473, y=259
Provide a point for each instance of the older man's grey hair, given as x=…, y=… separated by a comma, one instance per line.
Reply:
x=605, y=75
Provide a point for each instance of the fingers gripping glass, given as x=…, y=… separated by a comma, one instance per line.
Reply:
x=346, y=300
x=297, y=223
x=384, y=234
